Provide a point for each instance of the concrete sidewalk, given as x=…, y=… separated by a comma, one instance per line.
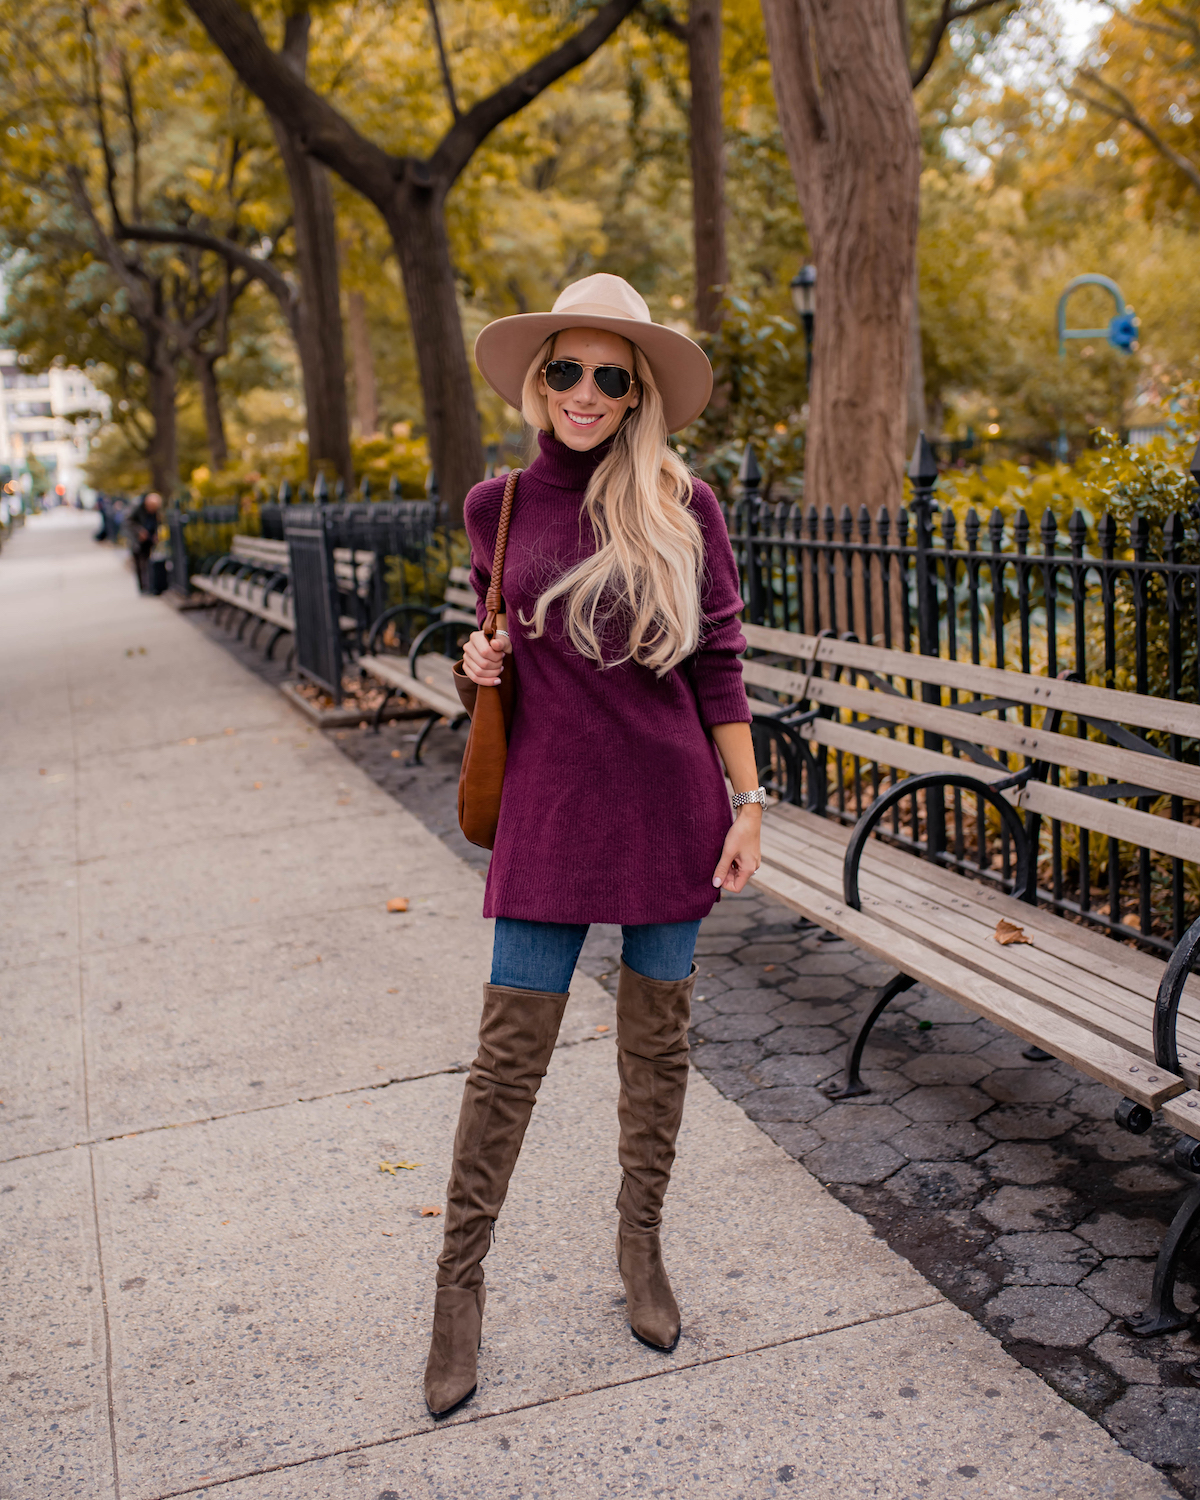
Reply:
x=212, y=1034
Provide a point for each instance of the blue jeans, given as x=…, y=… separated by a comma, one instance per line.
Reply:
x=542, y=955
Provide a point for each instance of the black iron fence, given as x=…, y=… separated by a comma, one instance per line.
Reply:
x=1119, y=605
x=401, y=533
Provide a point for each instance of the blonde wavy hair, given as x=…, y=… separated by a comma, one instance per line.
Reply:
x=645, y=571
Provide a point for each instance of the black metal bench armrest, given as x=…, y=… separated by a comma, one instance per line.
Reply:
x=807, y=717
x=1170, y=993
x=1025, y=886
x=417, y=647
x=395, y=612
x=224, y=561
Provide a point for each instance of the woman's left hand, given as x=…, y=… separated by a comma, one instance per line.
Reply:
x=742, y=853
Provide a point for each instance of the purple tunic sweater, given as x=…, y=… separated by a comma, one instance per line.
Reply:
x=614, y=806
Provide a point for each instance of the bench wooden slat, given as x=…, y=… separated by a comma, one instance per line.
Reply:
x=439, y=694
x=949, y=930
x=1157, y=772
x=964, y=932
x=1144, y=829
x=1117, y=1067
x=1183, y=1113
x=1024, y=687
x=1138, y=971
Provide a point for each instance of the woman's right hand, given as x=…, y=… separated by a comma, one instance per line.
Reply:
x=483, y=660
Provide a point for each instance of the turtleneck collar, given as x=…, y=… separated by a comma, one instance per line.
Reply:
x=563, y=467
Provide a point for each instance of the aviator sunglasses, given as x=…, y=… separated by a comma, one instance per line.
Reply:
x=612, y=381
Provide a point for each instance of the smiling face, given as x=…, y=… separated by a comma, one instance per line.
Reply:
x=584, y=417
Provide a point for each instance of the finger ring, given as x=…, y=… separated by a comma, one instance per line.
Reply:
x=504, y=633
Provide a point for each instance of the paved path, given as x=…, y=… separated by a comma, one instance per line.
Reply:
x=213, y=1033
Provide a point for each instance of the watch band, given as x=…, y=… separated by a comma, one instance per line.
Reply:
x=742, y=799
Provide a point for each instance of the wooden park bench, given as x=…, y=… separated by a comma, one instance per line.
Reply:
x=921, y=752
x=254, y=581
x=423, y=675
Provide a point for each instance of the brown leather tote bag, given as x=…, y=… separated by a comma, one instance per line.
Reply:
x=481, y=779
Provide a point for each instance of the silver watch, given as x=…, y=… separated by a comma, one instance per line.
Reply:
x=742, y=799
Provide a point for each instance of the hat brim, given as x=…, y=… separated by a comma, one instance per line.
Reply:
x=505, y=349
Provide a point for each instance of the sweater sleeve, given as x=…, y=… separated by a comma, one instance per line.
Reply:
x=481, y=516
x=716, y=669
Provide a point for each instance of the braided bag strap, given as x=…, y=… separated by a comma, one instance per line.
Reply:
x=493, y=599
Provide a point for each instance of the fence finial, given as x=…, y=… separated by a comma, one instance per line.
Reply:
x=748, y=471
x=922, y=466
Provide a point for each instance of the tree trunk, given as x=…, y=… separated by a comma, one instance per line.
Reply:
x=214, y=419
x=850, y=128
x=707, y=141
x=319, y=313
x=918, y=414
x=366, y=402
x=164, y=447
x=416, y=220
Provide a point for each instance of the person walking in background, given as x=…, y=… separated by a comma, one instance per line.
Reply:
x=143, y=533
x=622, y=602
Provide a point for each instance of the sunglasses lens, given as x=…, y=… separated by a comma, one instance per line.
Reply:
x=562, y=374
x=612, y=381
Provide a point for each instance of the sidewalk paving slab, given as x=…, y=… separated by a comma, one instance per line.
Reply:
x=282, y=1284
x=862, y=1413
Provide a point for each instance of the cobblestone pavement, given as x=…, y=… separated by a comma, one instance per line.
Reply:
x=1005, y=1182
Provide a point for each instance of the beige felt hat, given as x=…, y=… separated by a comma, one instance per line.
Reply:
x=505, y=348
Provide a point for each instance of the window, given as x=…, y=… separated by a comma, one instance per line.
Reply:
x=29, y=409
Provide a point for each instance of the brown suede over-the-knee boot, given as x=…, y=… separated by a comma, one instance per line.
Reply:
x=652, y=1061
x=517, y=1034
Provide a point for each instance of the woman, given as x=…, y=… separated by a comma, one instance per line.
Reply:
x=622, y=605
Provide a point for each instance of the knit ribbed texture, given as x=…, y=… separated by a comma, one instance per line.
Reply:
x=614, y=805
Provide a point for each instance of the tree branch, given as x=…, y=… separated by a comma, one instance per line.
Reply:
x=946, y=18
x=447, y=81
x=662, y=16
x=322, y=131
x=251, y=265
x=469, y=132
x=1124, y=109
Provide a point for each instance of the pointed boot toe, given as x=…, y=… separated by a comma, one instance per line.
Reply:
x=653, y=1311
x=451, y=1369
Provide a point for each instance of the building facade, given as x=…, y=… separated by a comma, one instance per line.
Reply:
x=52, y=418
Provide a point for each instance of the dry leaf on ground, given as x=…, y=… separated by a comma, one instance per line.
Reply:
x=431, y=1213
x=394, y=1166
x=1008, y=932
x=398, y=903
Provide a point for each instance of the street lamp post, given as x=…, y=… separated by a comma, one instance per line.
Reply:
x=1121, y=332
x=804, y=300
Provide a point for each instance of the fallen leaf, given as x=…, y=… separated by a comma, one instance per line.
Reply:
x=343, y=801
x=398, y=903
x=387, y=1233
x=394, y=1166
x=41, y=773
x=767, y=968
x=601, y=1028
x=1008, y=932
x=192, y=741
x=431, y=1213
x=258, y=786
x=395, y=755
x=231, y=731
x=393, y=992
